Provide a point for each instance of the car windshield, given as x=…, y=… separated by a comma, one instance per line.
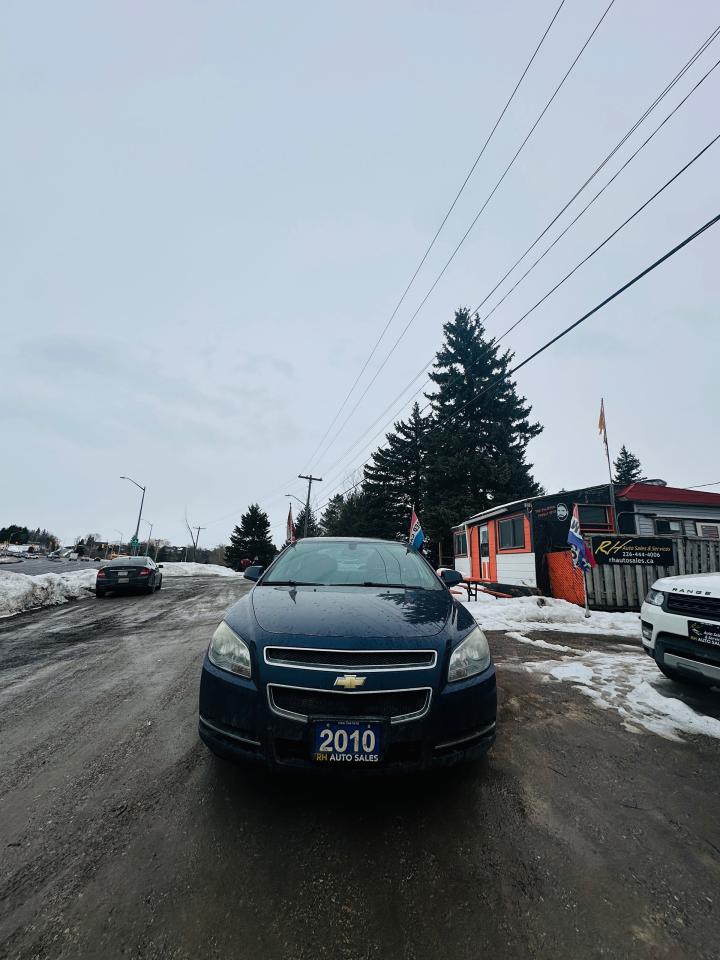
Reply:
x=352, y=563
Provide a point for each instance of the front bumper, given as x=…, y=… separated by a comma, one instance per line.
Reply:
x=236, y=722
x=666, y=638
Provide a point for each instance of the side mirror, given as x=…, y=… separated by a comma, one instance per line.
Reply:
x=451, y=578
x=253, y=573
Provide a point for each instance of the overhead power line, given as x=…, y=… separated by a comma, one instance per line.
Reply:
x=609, y=237
x=635, y=153
x=580, y=263
x=567, y=330
x=444, y=220
x=663, y=93
x=467, y=233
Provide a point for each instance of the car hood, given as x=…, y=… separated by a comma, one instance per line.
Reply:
x=362, y=612
x=699, y=584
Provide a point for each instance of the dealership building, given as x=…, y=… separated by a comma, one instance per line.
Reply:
x=524, y=545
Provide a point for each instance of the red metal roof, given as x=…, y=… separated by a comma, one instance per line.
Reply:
x=652, y=493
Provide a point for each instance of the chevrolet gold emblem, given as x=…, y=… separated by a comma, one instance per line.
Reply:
x=350, y=681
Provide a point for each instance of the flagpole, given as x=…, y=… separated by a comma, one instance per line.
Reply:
x=607, y=455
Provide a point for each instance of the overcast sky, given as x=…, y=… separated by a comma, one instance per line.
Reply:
x=211, y=209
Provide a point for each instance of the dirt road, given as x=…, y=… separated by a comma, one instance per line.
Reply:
x=121, y=837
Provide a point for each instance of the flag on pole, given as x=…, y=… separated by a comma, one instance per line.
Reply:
x=290, y=527
x=416, y=534
x=581, y=556
x=602, y=426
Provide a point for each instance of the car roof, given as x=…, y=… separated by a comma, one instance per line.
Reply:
x=133, y=561
x=348, y=540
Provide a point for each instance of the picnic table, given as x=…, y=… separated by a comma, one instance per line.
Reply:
x=473, y=585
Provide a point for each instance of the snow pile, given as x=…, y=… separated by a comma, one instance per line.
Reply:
x=542, y=644
x=19, y=592
x=197, y=570
x=632, y=686
x=546, y=613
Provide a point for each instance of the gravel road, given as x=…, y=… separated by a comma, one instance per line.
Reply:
x=121, y=837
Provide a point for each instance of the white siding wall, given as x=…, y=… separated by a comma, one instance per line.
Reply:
x=689, y=514
x=462, y=565
x=516, y=568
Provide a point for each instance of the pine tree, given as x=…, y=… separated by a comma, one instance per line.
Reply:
x=627, y=468
x=313, y=530
x=330, y=518
x=394, y=478
x=475, y=445
x=251, y=539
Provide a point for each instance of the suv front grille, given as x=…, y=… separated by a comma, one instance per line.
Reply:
x=321, y=659
x=398, y=706
x=688, y=606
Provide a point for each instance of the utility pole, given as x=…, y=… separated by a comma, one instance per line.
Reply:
x=196, y=538
x=310, y=480
x=151, y=525
x=135, y=542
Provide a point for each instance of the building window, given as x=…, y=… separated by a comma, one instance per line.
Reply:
x=711, y=531
x=670, y=528
x=594, y=517
x=460, y=544
x=512, y=534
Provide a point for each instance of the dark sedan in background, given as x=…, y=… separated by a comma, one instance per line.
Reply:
x=128, y=574
x=348, y=655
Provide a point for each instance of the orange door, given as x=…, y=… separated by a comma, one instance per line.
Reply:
x=484, y=551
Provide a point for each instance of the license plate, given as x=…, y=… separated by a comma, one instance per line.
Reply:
x=704, y=632
x=347, y=741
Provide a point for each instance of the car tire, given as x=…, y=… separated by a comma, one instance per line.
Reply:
x=159, y=586
x=684, y=678
x=99, y=593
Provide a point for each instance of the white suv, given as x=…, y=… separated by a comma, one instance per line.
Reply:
x=681, y=627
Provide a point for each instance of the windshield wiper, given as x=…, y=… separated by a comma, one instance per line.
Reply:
x=397, y=586
x=290, y=583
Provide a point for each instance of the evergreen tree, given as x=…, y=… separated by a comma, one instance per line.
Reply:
x=330, y=518
x=627, y=468
x=394, y=478
x=251, y=539
x=314, y=529
x=475, y=446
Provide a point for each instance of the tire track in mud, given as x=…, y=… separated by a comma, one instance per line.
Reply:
x=38, y=892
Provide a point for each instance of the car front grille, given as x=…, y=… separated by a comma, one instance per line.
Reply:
x=398, y=706
x=322, y=659
x=688, y=606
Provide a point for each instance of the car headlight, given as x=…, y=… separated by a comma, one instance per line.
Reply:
x=469, y=657
x=229, y=651
x=655, y=597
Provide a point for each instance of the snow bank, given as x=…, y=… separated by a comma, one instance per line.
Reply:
x=546, y=613
x=19, y=592
x=632, y=686
x=197, y=570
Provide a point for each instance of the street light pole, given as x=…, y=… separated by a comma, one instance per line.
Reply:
x=142, y=500
x=310, y=479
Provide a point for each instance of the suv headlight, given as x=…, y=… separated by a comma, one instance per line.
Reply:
x=469, y=657
x=229, y=651
x=655, y=597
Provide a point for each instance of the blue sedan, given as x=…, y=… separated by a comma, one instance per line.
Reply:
x=348, y=655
